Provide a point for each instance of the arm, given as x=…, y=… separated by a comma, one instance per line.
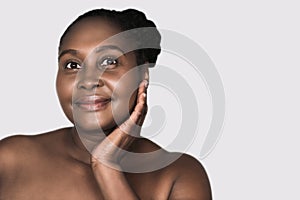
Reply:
x=106, y=156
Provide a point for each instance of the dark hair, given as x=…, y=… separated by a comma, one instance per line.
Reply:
x=127, y=20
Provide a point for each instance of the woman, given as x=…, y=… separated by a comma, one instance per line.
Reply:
x=102, y=90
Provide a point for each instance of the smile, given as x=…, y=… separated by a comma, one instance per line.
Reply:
x=92, y=103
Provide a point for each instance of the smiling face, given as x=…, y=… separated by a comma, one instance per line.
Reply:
x=96, y=80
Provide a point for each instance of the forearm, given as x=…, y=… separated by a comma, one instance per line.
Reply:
x=113, y=183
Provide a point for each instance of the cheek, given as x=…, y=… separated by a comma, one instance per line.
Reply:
x=126, y=86
x=124, y=95
x=130, y=81
x=64, y=88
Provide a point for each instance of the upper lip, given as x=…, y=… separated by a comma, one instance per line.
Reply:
x=91, y=99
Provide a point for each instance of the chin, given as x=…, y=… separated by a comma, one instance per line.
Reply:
x=93, y=125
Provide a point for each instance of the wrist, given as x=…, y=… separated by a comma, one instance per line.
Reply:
x=98, y=164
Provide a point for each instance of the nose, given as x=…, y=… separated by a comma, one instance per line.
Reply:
x=89, y=82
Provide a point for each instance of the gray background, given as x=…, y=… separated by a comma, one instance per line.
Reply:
x=254, y=44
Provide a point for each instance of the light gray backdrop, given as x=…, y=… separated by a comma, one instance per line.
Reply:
x=254, y=45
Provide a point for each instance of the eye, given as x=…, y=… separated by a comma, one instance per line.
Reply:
x=108, y=63
x=72, y=65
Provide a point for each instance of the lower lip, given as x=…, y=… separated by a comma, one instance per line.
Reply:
x=91, y=107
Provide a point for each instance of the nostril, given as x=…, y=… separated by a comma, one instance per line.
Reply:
x=89, y=84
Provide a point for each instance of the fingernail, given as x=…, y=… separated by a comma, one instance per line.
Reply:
x=146, y=83
x=144, y=94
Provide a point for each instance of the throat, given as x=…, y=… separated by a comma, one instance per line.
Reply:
x=83, y=143
x=80, y=147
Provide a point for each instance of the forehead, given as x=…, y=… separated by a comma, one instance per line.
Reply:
x=93, y=32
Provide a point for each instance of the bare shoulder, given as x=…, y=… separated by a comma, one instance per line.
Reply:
x=20, y=149
x=144, y=145
x=189, y=177
x=191, y=180
x=13, y=149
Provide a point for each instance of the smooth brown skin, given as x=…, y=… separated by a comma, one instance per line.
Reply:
x=56, y=165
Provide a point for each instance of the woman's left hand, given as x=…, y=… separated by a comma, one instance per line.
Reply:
x=114, y=147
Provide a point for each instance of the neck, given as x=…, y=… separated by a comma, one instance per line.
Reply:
x=84, y=142
x=79, y=151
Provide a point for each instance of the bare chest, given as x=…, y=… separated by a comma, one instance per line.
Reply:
x=73, y=181
x=50, y=182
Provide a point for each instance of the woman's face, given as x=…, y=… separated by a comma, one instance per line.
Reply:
x=96, y=81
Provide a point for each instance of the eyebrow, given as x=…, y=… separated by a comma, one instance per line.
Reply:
x=97, y=50
x=70, y=51
x=108, y=47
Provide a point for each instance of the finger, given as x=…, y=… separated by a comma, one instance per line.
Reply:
x=139, y=108
x=142, y=88
x=143, y=111
x=142, y=107
x=132, y=125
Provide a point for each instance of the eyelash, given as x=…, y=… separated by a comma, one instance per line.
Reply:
x=113, y=63
x=72, y=62
x=110, y=65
